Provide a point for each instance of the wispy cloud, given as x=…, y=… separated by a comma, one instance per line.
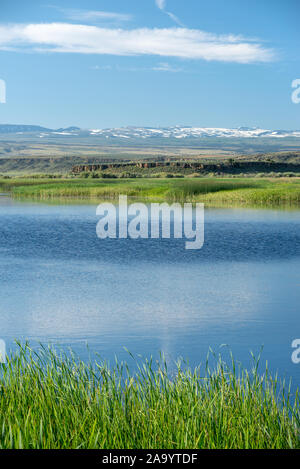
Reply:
x=168, y=42
x=166, y=67
x=174, y=18
x=95, y=15
x=161, y=4
x=160, y=67
x=101, y=67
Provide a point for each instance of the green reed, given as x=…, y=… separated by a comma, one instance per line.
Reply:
x=211, y=191
x=54, y=400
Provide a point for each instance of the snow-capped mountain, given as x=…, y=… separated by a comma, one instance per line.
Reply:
x=138, y=133
x=191, y=132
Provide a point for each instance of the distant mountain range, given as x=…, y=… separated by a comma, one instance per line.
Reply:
x=192, y=132
x=21, y=128
x=137, y=133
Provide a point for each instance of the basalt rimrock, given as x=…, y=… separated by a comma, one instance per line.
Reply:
x=230, y=167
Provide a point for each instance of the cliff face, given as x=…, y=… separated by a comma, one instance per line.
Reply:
x=235, y=167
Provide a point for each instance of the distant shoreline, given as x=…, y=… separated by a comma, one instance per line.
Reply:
x=212, y=191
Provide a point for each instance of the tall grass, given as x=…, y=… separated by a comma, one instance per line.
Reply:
x=193, y=189
x=53, y=400
x=211, y=191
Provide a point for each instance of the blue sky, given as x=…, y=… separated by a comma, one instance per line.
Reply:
x=100, y=63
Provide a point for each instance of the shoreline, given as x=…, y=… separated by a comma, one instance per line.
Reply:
x=213, y=192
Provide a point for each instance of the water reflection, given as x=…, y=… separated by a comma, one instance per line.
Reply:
x=60, y=282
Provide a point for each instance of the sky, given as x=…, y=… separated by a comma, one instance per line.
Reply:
x=113, y=63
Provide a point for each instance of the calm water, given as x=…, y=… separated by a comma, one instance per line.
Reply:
x=60, y=283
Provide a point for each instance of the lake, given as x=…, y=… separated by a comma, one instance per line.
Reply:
x=61, y=284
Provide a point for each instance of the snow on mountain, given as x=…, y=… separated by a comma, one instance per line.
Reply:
x=127, y=133
x=192, y=132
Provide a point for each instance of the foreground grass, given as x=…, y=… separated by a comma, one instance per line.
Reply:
x=211, y=191
x=53, y=401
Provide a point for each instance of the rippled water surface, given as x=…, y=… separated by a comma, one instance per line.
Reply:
x=60, y=283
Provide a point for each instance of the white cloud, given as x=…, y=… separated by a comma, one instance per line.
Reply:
x=168, y=42
x=166, y=67
x=101, y=67
x=160, y=67
x=95, y=15
x=161, y=4
x=174, y=18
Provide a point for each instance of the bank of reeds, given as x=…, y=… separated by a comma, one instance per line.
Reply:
x=53, y=400
x=211, y=191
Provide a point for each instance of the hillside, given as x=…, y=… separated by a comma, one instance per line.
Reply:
x=34, y=149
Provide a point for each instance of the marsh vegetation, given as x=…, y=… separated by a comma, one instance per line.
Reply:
x=54, y=400
x=211, y=191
